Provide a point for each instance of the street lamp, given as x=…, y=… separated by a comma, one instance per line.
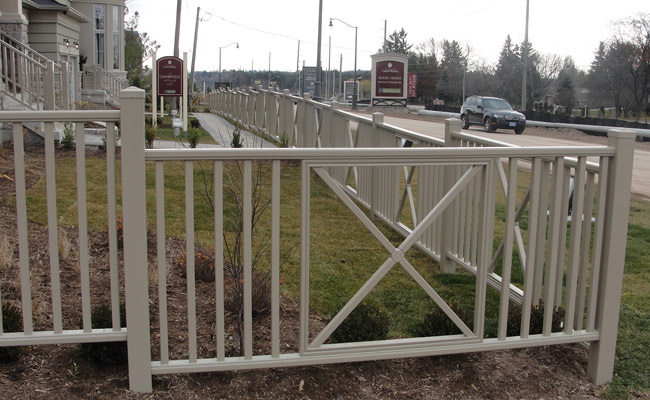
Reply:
x=354, y=91
x=223, y=47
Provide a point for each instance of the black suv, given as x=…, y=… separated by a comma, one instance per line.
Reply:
x=492, y=113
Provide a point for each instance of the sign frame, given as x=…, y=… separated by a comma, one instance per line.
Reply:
x=169, y=77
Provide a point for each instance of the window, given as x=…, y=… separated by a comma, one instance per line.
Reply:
x=117, y=22
x=100, y=17
x=99, y=49
x=100, y=28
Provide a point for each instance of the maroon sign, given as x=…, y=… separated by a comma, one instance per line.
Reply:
x=413, y=84
x=170, y=76
x=390, y=79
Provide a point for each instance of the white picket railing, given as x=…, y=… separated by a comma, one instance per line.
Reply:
x=452, y=217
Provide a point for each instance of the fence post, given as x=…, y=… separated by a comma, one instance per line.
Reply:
x=603, y=352
x=452, y=125
x=50, y=92
x=135, y=239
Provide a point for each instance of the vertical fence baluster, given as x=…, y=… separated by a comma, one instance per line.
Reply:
x=189, y=251
x=574, y=246
x=561, y=254
x=52, y=228
x=111, y=207
x=533, y=238
x=542, y=221
x=82, y=214
x=248, y=261
x=304, y=258
x=218, y=258
x=275, y=260
x=21, y=218
x=162, y=262
x=558, y=217
x=506, y=267
x=584, y=250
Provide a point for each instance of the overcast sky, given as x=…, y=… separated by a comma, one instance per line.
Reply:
x=270, y=30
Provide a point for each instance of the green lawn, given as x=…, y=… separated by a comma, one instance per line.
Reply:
x=343, y=255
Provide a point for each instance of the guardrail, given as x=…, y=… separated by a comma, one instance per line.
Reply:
x=104, y=80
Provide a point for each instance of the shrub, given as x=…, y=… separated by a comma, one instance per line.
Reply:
x=236, y=142
x=284, y=140
x=159, y=121
x=147, y=120
x=536, y=319
x=194, y=123
x=234, y=291
x=149, y=136
x=365, y=323
x=105, y=352
x=193, y=136
x=437, y=323
x=203, y=265
x=11, y=322
x=67, y=141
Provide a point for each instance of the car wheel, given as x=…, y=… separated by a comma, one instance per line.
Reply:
x=519, y=131
x=465, y=122
x=488, y=125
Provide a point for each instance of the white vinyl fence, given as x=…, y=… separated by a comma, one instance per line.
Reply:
x=441, y=196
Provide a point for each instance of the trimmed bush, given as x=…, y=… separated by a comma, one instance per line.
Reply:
x=203, y=264
x=193, y=136
x=437, y=323
x=536, y=319
x=194, y=123
x=149, y=136
x=234, y=292
x=11, y=322
x=105, y=352
x=365, y=323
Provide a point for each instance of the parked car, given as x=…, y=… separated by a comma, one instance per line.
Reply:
x=492, y=113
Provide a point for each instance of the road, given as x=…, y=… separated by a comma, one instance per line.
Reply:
x=640, y=175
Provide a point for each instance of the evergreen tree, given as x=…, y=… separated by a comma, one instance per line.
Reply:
x=397, y=43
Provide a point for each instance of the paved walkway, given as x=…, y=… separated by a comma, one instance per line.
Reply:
x=221, y=130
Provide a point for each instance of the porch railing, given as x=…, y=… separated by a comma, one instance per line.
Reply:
x=33, y=80
x=452, y=217
x=102, y=79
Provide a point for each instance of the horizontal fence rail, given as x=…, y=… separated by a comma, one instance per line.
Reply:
x=496, y=212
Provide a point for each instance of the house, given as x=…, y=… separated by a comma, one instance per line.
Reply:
x=88, y=35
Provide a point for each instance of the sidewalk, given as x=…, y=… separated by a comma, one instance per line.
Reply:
x=221, y=131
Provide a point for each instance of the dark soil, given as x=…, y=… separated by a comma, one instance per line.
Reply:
x=61, y=372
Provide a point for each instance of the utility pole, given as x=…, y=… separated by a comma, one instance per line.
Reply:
x=317, y=84
x=196, y=35
x=525, y=73
x=329, y=62
x=178, y=27
x=385, y=28
x=298, y=68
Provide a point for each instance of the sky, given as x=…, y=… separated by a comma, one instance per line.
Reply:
x=283, y=34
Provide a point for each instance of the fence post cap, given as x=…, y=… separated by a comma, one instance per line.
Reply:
x=132, y=92
x=621, y=134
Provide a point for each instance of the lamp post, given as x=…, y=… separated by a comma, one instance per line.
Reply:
x=223, y=47
x=355, y=90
